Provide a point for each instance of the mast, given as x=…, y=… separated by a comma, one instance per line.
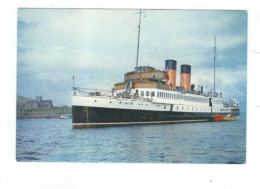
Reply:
x=137, y=54
x=215, y=50
x=73, y=84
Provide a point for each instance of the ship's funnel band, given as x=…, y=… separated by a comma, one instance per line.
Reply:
x=170, y=67
x=185, y=81
x=185, y=76
x=172, y=79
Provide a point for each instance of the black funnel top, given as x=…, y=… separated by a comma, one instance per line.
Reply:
x=185, y=68
x=170, y=64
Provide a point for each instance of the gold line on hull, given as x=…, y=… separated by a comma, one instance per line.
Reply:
x=115, y=124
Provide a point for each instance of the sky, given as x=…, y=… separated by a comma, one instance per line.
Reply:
x=98, y=46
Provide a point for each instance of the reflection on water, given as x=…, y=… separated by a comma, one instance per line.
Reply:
x=56, y=140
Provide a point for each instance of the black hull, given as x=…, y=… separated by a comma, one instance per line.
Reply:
x=110, y=115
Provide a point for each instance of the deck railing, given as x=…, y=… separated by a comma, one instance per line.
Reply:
x=91, y=92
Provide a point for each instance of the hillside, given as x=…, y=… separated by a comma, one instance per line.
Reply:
x=22, y=99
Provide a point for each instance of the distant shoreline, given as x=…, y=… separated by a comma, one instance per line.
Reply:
x=44, y=116
x=44, y=113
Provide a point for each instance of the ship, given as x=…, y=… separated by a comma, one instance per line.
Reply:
x=150, y=96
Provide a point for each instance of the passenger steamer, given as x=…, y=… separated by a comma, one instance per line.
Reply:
x=149, y=96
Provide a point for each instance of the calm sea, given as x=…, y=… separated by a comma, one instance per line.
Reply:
x=54, y=140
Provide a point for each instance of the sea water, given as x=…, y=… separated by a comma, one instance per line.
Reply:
x=55, y=140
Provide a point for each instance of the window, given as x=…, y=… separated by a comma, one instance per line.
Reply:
x=157, y=93
x=142, y=93
x=147, y=93
x=152, y=93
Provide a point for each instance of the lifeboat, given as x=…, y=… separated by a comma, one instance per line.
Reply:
x=228, y=117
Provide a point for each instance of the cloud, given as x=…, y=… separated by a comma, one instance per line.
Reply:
x=99, y=46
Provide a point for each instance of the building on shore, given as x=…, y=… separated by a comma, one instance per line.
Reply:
x=32, y=104
x=46, y=104
x=27, y=103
